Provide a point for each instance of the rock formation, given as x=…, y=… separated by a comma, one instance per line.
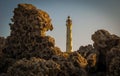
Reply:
x=109, y=52
x=28, y=39
x=28, y=51
x=91, y=55
x=34, y=67
x=28, y=33
x=2, y=43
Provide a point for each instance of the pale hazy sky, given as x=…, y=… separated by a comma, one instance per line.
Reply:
x=87, y=16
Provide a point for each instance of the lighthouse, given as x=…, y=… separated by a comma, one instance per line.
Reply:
x=69, y=35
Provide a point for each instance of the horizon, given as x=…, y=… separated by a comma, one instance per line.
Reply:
x=87, y=17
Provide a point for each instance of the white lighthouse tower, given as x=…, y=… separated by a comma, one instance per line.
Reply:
x=69, y=35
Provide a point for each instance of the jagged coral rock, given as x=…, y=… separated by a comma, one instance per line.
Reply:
x=71, y=64
x=113, y=62
x=114, y=67
x=2, y=44
x=114, y=52
x=2, y=58
x=78, y=60
x=28, y=38
x=5, y=62
x=92, y=59
x=34, y=67
x=108, y=46
x=104, y=42
x=28, y=15
x=37, y=47
x=85, y=51
x=41, y=67
x=99, y=38
x=91, y=55
x=68, y=68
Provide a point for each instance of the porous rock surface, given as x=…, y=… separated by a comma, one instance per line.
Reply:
x=108, y=46
x=28, y=51
x=2, y=43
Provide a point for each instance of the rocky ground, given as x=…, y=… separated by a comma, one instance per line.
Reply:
x=28, y=51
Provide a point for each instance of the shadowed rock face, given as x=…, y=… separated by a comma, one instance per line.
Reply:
x=2, y=43
x=103, y=56
x=29, y=52
x=34, y=67
x=109, y=50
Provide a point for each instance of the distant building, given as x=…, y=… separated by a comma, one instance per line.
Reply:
x=69, y=35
